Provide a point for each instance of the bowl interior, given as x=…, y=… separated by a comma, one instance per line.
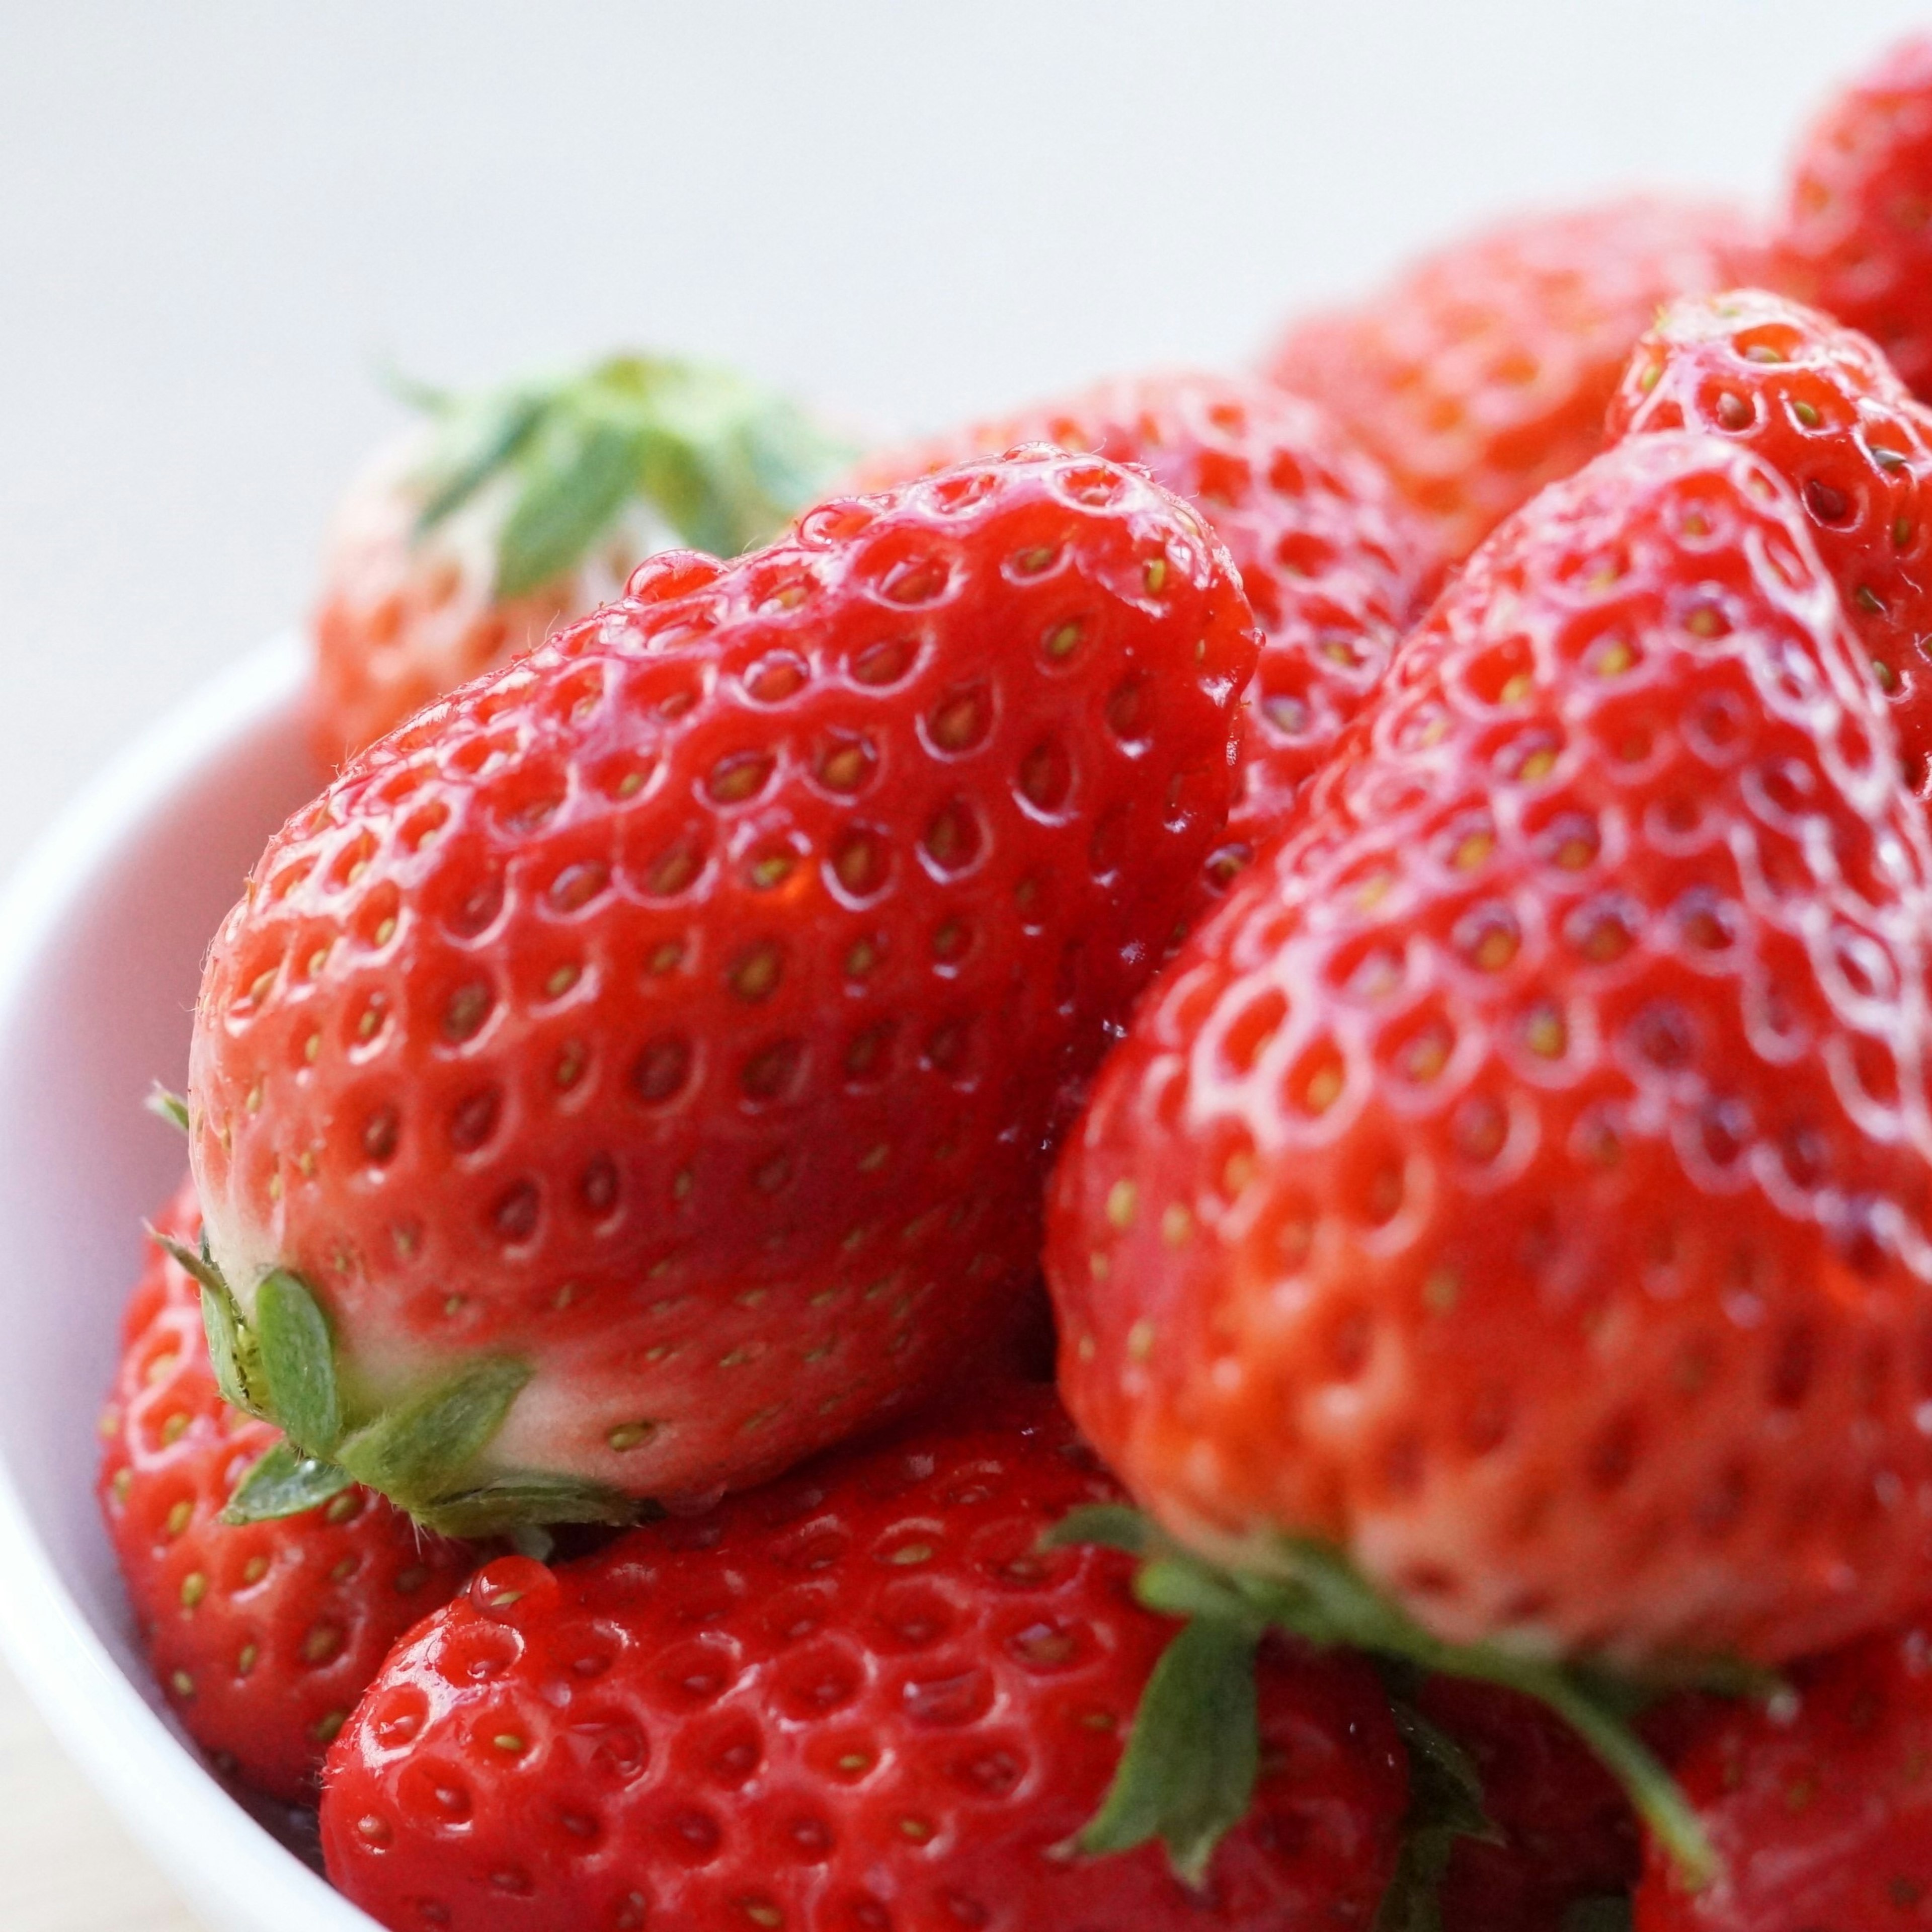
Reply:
x=101, y=940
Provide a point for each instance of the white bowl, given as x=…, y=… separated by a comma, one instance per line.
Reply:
x=101, y=938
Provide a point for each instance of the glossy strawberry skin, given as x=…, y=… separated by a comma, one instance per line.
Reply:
x=1333, y=565
x=1819, y=1806
x=1854, y=239
x=684, y=1011
x=865, y=1697
x=1482, y=373
x=1823, y=407
x=1521, y=1183
x=264, y=1637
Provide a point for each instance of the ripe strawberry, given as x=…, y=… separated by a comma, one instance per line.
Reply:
x=265, y=1636
x=645, y=1063
x=1520, y=1185
x=508, y=511
x=1331, y=561
x=1482, y=373
x=1823, y=407
x=1854, y=238
x=1820, y=1804
x=867, y=1698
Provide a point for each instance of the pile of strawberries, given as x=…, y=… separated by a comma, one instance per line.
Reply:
x=1400, y=887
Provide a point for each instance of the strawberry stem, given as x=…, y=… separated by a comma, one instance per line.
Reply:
x=1445, y=1803
x=723, y=462
x=1659, y=1799
x=1309, y=1590
x=1343, y=1601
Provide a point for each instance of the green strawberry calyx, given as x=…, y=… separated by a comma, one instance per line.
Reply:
x=723, y=461
x=1188, y=1773
x=279, y=1363
x=1445, y=1803
x=166, y=1105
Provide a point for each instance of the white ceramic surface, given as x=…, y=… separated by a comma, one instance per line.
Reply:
x=101, y=937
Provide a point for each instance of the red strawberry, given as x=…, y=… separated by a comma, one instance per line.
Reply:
x=1482, y=373
x=264, y=1637
x=1520, y=1185
x=1855, y=238
x=865, y=1698
x=1331, y=561
x=645, y=1062
x=1823, y=407
x=1820, y=1804
x=509, y=510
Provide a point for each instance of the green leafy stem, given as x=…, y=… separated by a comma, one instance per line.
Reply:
x=1188, y=1773
x=421, y=1454
x=725, y=462
x=1445, y=1803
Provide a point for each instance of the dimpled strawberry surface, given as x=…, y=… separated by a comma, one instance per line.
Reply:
x=1482, y=372
x=864, y=1698
x=1819, y=1802
x=1823, y=407
x=1522, y=1182
x=1331, y=559
x=674, y=1023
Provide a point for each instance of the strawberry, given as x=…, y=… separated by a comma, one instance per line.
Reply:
x=1854, y=238
x=1507, y=1215
x=1482, y=373
x=1823, y=407
x=639, y=1073
x=508, y=510
x=1819, y=1803
x=264, y=1637
x=866, y=1698
x=1331, y=561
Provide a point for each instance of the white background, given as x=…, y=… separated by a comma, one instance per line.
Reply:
x=217, y=220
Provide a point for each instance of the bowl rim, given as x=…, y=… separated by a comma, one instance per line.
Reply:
x=168, y=1800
